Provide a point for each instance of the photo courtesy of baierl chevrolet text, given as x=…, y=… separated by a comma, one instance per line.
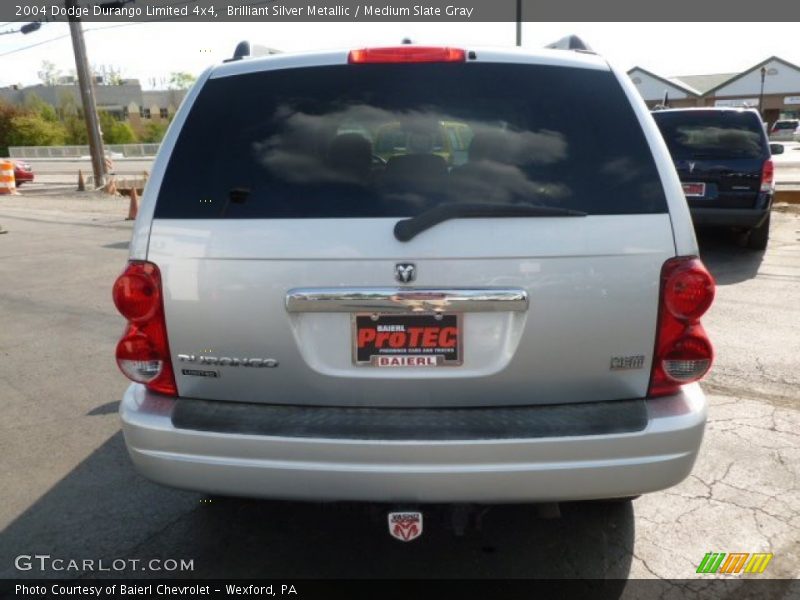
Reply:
x=388, y=299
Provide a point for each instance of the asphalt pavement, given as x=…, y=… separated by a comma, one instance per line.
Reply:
x=70, y=491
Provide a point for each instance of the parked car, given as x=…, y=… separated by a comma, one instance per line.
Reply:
x=785, y=130
x=722, y=156
x=524, y=327
x=23, y=172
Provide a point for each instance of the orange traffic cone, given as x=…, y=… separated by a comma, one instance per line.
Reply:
x=8, y=183
x=81, y=182
x=133, y=207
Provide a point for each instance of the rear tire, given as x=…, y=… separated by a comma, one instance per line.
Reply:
x=759, y=236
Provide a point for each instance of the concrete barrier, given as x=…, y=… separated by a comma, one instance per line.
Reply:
x=114, y=151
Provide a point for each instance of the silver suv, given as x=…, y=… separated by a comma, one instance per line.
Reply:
x=515, y=322
x=787, y=130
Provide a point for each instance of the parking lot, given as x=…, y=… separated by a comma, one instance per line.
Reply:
x=70, y=491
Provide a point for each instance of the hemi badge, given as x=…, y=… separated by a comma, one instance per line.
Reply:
x=621, y=363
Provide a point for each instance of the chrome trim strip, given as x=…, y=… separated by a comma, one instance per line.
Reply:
x=406, y=300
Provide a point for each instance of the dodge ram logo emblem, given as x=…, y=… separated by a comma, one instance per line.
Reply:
x=405, y=272
x=405, y=526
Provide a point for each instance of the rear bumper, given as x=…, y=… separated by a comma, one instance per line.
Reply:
x=490, y=471
x=729, y=217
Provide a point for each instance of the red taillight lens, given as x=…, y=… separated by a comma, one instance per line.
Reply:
x=136, y=292
x=767, y=176
x=683, y=353
x=406, y=54
x=688, y=290
x=143, y=352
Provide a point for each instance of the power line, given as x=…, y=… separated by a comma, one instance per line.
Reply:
x=55, y=39
x=17, y=20
x=145, y=22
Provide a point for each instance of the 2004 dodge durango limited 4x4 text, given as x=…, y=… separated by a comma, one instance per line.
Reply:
x=517, y=322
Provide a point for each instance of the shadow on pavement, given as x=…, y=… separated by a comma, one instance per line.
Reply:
x=104, y=510
x=104, y=409
x=728, y=261
x=118, y=245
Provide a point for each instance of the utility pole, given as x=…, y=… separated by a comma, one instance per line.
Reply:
x=87, y=96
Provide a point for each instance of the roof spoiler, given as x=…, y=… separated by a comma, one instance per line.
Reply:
x=245, y=49
x=570, y=42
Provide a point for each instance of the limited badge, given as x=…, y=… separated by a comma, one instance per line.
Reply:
x=405, y=526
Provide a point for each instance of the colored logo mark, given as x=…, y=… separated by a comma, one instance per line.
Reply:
x=734, y=562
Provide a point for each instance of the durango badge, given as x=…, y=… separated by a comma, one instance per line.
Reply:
x=405, y=526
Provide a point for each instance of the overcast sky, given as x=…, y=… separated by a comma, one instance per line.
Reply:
x=151, y=51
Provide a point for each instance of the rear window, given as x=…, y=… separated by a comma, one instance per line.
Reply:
x=377, y=140
x=712, y=134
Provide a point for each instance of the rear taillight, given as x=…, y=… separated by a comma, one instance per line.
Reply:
x=683, y=353
x=768, y=176
x=406, y=54
x=143, y=351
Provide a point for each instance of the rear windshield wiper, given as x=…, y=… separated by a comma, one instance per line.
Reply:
x=406, y=229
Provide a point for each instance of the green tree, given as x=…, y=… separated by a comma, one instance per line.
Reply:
x=153, y=133
x=36, y=105
x=180, y=80
x=67, y=105
x=121, y=133
x=30, y=129
x=114, y=130
x=77, y=135
x=8, y=112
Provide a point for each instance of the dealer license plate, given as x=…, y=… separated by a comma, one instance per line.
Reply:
x=412, y=341
x=694, y=190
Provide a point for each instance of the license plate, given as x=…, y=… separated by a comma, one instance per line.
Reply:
x=411, y=341
x=694, y=189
